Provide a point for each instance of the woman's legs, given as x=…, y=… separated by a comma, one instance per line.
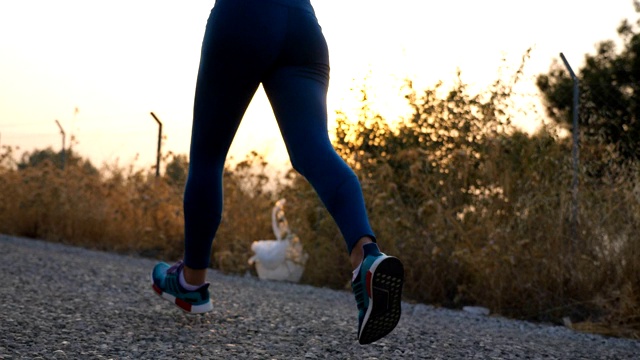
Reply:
x=239, y=47
x=248, y=42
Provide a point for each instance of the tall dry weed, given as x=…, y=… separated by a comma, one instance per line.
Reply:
x=480, y=213
x=127, y=210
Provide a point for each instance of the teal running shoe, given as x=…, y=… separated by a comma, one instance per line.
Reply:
x=166, y=284
x=378, y=291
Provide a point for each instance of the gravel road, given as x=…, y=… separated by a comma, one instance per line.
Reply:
x=63, y=302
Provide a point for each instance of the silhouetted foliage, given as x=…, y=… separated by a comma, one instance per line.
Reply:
x=610, y=89
x=38, y=157
x=177, y=170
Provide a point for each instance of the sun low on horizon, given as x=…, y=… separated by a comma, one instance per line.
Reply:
x=100, y=69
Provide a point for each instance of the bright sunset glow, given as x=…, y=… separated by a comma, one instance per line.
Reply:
x=118, y=61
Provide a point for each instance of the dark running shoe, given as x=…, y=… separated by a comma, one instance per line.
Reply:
x=166, y=284
x=378, y=291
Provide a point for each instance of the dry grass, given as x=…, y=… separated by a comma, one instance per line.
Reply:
x=127, y=211
x=477, y=220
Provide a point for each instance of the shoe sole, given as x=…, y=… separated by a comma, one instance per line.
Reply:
x=181, y=304
x=384, y=288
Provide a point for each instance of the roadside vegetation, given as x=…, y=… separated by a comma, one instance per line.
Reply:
x=480, y=212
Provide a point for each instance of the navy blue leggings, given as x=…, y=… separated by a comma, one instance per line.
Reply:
x=280, y=44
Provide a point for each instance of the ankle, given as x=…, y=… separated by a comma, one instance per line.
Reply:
x=357, y=253
x=194, y=277
x=185, y=285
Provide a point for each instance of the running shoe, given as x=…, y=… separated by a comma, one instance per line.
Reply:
x=378, y=291
x=166, y=284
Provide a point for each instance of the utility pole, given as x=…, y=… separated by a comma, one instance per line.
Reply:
x=62, y=154
x=575, y=153
x=159, y=152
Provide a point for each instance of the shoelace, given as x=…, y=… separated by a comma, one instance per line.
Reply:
x=176, y=267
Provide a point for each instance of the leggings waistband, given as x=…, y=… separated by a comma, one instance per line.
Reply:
x=300, y=4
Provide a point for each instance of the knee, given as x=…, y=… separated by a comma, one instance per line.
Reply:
x=309, y=164
x=298, y=165
x=322, y=165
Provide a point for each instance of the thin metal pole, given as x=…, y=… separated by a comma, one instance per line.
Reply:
x=159, y=143
x=62, y=152
x=575, y=152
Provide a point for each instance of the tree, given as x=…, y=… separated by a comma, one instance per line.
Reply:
x=177, y=170
x=448, y=129
x=38, y=157
x=610, y=90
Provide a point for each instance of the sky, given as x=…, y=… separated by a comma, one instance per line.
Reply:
x=101, y=68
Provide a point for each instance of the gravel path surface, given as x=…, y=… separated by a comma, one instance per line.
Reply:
x=63, y=302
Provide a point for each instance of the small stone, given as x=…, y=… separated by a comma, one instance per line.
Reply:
x=59, y=354
x=476, y=310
